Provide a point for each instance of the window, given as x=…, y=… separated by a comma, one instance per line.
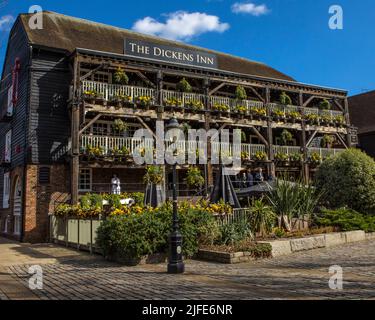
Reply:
x=8, y=147
x=10, y=102
x=6, y=190
x=100, y=129
x=85, y=180
x=44, y=175
x=17, y=225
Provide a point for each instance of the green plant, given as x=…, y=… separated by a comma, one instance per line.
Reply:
x=154, y=175
x=327, y=141
x=285, y=99
x=184, y=86
x=315, y=158
x=195, y=105
x=279, y=232
x=121, y=77
x=345, y=219
x=325, y=105
x=245, y=156
x=122, y=98
x=241, y=93
x=173, y=102
x=259, y=112
x=348, y=179
x=283, y=157
x=260, y=156
x=278, y=113
x=233, y=233
x=296, y=157
x=286, y=137
x=221, y=107
x=262, y=218
x=241, y=109
x=92, y=201
x=339, y=120
x=195, y=178
x=312, y=118
x=119, y=126
x=144, y=101
x=294, y=115
x=94, y=152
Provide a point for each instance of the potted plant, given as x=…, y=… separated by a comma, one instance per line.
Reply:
x=325, y=105
x=285, y=99
x=296, y=158
x=282, y=157
x=119, y=126
x=241, y=93
x=241, y=111
x=220, y=108
x=121, y=100
x=315, y=158
x=260, y=113
x=184, y=86
x=278, y=114
x=294, y=116
x=174, y=103
x=195, y=178
x=327, y=141
x=144, y=101
x=94, y=152
x=195, y=105
x=339, y=121
x=245, y=157
x=120, y=77
x=93, y=96
x=326, y=118
x=286, y=137
x=312, y=119
x=260, y=156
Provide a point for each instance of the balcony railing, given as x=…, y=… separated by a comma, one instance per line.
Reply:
x=288, y=150
x=324, y=152
x=110, y=91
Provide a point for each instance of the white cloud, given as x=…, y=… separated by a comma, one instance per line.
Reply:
x=6, y=22
x=250, y=8
x=181, y=25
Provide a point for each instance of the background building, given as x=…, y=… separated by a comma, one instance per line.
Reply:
x=362, y=113
x=61, y=93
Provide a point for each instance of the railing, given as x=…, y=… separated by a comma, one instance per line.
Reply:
x=238, y=216
x=108, y=144
x=289, y=150
x=324, y=152
x=184, y=98
x=233, y=103
x=110, y=91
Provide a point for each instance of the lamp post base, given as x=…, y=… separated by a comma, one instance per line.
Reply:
x=175, y=264
x=176, y=268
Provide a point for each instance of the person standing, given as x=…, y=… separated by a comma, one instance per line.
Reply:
x=259, y=176
x=250, y=179
x=116, y=185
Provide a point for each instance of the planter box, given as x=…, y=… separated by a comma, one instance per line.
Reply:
x=149, y=259
x=225, y=257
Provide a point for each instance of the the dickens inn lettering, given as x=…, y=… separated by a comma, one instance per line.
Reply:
x=143, y=49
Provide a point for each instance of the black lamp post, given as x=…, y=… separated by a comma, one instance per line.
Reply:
x=175, y=263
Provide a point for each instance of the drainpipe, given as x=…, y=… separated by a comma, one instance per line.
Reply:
x=26, y=149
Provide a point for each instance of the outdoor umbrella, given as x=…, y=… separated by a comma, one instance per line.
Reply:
x=224, y=190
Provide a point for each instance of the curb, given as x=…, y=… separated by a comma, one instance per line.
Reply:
x=287, y=247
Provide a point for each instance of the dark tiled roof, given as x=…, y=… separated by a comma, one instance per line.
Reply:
x=68, y=33
x=362, y=111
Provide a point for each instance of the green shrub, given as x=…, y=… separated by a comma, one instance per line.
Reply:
x=262, y=218
x=241, y=93
x=348, y=180
x=285, y=99
x=346, y=220
x=231, y=234
x=135, y=235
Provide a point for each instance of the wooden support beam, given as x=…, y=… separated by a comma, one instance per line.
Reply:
x=339, y=105
x=260, y=136
x=256, y=93
x=145, y=79
x=311, y=138
x=91, y=72
x=97, y=117
x=217, y=88
x=308, y=101
x=342, y=140
x=146, y=126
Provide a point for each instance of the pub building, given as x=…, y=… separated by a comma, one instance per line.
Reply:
x=65, y=87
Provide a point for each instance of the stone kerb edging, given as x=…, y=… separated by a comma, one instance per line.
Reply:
x=285, y=247
x=290, y=246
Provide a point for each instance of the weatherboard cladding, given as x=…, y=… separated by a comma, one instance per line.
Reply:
x=68, y=33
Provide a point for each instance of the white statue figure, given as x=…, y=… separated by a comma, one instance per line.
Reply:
x=116, y=185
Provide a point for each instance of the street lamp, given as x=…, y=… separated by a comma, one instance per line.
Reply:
x=175, y=263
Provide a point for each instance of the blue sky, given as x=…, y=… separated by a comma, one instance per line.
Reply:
x=290, y=35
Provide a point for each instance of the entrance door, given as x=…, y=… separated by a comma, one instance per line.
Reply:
x=17, y=207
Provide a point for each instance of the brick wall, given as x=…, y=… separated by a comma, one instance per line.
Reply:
x=41, y=200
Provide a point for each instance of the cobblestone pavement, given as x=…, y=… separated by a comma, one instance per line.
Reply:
x=299, y=276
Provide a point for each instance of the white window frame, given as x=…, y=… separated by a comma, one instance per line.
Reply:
x=79, y=180
x=10, y=106
x=6, y=190
x=8, y=147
